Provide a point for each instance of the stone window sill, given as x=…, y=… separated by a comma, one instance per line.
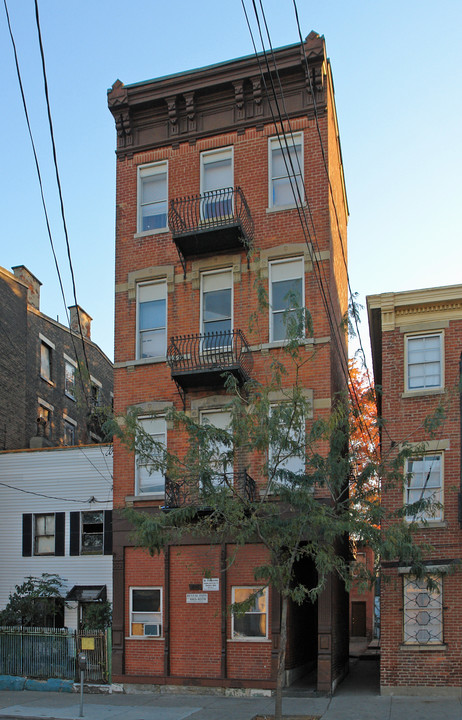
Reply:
x=423, y=648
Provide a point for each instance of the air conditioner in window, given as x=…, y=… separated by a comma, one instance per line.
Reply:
x=152, y=629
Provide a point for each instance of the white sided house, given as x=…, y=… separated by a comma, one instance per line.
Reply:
x=56, y=517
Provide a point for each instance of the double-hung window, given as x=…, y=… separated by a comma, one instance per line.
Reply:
x=45, y=361
x=152, y=197
x=150, y=479
x=219, y=464
x=145, y=612
x=286, y=454
x=253, y=623
x=70, y=427
x=424, y=482
x=286, y=299
x=217, y=308
x=286, y=170
x=217, y=184
x=423, y=611
x=44, y=411
x=92, y=538
x=424, y=361
x=70, y=367
x=152, y=319
x=44, y=534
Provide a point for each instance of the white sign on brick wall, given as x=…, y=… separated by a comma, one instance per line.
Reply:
x=197, y=598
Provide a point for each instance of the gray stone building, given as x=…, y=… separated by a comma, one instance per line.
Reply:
x=55, y=383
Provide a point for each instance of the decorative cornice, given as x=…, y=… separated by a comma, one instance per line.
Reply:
x=230, y=96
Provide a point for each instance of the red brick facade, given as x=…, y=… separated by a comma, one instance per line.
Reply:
x=417, y=656
x=176, y=120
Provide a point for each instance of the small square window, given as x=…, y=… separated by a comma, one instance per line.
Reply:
x=152, y=197
x=424, y=361
x=423, y=611
x=253, y=623
x=44, y=534
x=146, y=612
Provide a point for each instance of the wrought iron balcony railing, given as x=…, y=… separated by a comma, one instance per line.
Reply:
x=181, y=493
x=216, y=221
x=197, y=360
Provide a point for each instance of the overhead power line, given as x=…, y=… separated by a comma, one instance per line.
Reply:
x=325, y=292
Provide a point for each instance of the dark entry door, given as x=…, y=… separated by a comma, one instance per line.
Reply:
x=358, y=619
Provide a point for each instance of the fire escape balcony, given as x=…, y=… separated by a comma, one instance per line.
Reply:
x=216, y=221
x=183, y=493
x=201, y=360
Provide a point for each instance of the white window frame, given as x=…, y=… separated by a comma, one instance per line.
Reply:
x=162, y=282
x=272, y=264
x=36, y=535
x=292, y=460
x=209, y=273
x=423, y=388
x=44, y=374
x=210, y=156
x=69, y=362
x=158, y=613
x=157, y=475
x=422, y=516
x=202, y=419
x=157, y=168
x=293, y=139
x=250, y=638
x=412, y=610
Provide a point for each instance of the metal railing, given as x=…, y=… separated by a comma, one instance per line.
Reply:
x=37, y=652
x=211, y=210
x=221, y=351
x=180, y=493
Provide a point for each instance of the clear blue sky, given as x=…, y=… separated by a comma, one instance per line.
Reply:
x=398, y=76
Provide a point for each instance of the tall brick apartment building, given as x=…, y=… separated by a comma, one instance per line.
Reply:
x=200, y=178
x=416, y=341
x=42, y=401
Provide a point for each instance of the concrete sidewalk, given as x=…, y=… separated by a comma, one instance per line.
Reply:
x=356, y=698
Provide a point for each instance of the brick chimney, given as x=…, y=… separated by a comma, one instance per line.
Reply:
x=85, y=321
x=33, y=285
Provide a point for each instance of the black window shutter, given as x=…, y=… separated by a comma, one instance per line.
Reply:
x=74, y=535
x=27, y=535
x=59, y=533
x=107, y=532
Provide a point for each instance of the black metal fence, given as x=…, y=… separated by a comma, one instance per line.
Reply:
x=226, y=350
x=180, y=493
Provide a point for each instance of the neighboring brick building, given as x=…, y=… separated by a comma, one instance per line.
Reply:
x=45, y=398
x=416, y=341
x=362, y=599
x=200, y=176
